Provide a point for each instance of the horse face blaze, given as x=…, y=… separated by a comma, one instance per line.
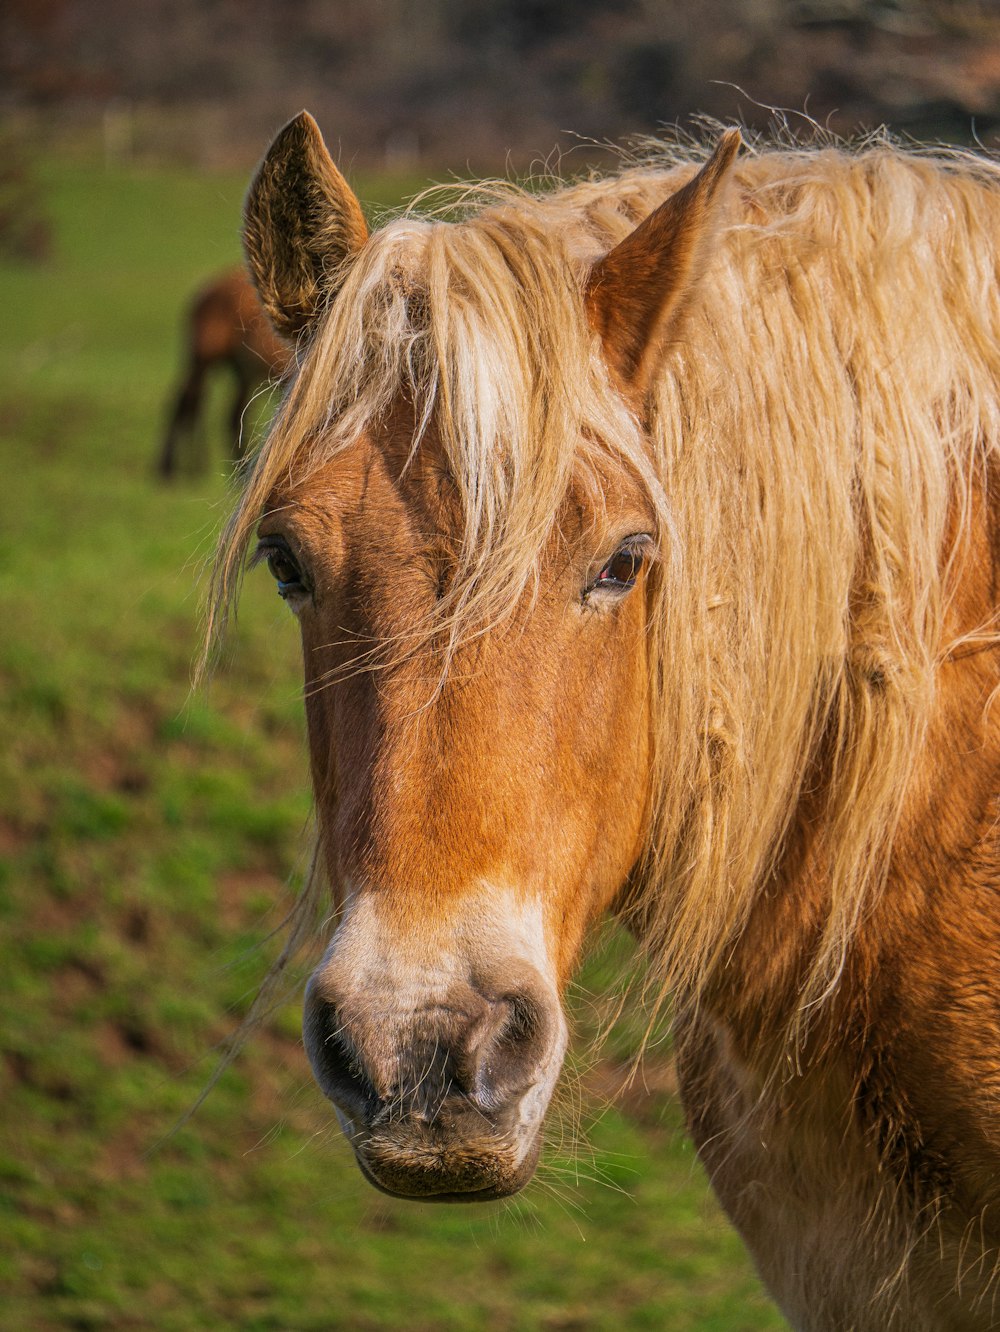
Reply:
x=474, y=823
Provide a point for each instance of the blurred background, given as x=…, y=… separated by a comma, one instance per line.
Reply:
x=479, y=84
x=152, y=836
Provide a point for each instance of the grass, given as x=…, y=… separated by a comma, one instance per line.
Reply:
x=149, y=839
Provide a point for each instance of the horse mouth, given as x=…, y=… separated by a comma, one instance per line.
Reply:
x=445, y=1102
x=410, y=1164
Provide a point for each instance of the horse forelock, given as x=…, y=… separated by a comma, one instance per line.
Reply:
x=478, y=329
x=818, y=426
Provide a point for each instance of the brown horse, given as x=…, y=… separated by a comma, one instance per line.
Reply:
x=225, y=326
x=644, y=542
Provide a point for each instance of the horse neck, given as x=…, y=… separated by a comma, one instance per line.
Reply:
x=949, y=806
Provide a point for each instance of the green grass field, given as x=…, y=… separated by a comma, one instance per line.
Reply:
x=149, y=840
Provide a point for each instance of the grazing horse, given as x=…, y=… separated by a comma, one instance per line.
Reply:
x=644, y=542
x=225, y=326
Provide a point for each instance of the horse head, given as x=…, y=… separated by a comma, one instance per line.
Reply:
x=473, y=606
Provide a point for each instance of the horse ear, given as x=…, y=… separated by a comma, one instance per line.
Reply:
x=636, y=294
x=302, y=225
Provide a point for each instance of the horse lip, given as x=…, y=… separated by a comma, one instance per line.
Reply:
x=419, y=1160
x=510, y=1178
x=490, y=1193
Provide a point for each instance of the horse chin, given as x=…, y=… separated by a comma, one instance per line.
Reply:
x=414, y=1163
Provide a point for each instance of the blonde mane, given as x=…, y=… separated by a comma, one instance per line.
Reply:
x=816, y=436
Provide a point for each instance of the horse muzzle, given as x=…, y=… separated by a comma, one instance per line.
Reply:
x=442, y=1098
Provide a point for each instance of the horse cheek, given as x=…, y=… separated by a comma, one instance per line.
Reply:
x=608, y=740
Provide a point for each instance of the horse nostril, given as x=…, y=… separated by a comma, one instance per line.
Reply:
x=522, y=1024
x=474, y=1052
x=511, y=1059
x=335, y=1063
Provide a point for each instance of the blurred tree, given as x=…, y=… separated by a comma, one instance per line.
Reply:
x=647, y=75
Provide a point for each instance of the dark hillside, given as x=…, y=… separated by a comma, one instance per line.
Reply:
x=447, y=83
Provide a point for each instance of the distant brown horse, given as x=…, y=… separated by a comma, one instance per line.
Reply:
x=226, y=327
x=644, y=541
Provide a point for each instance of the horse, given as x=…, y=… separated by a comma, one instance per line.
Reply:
x=224, y=326
x=643, y=537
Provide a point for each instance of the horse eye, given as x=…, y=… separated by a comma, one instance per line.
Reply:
x=282, y=566
x=621, y=570
x=284, y=569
